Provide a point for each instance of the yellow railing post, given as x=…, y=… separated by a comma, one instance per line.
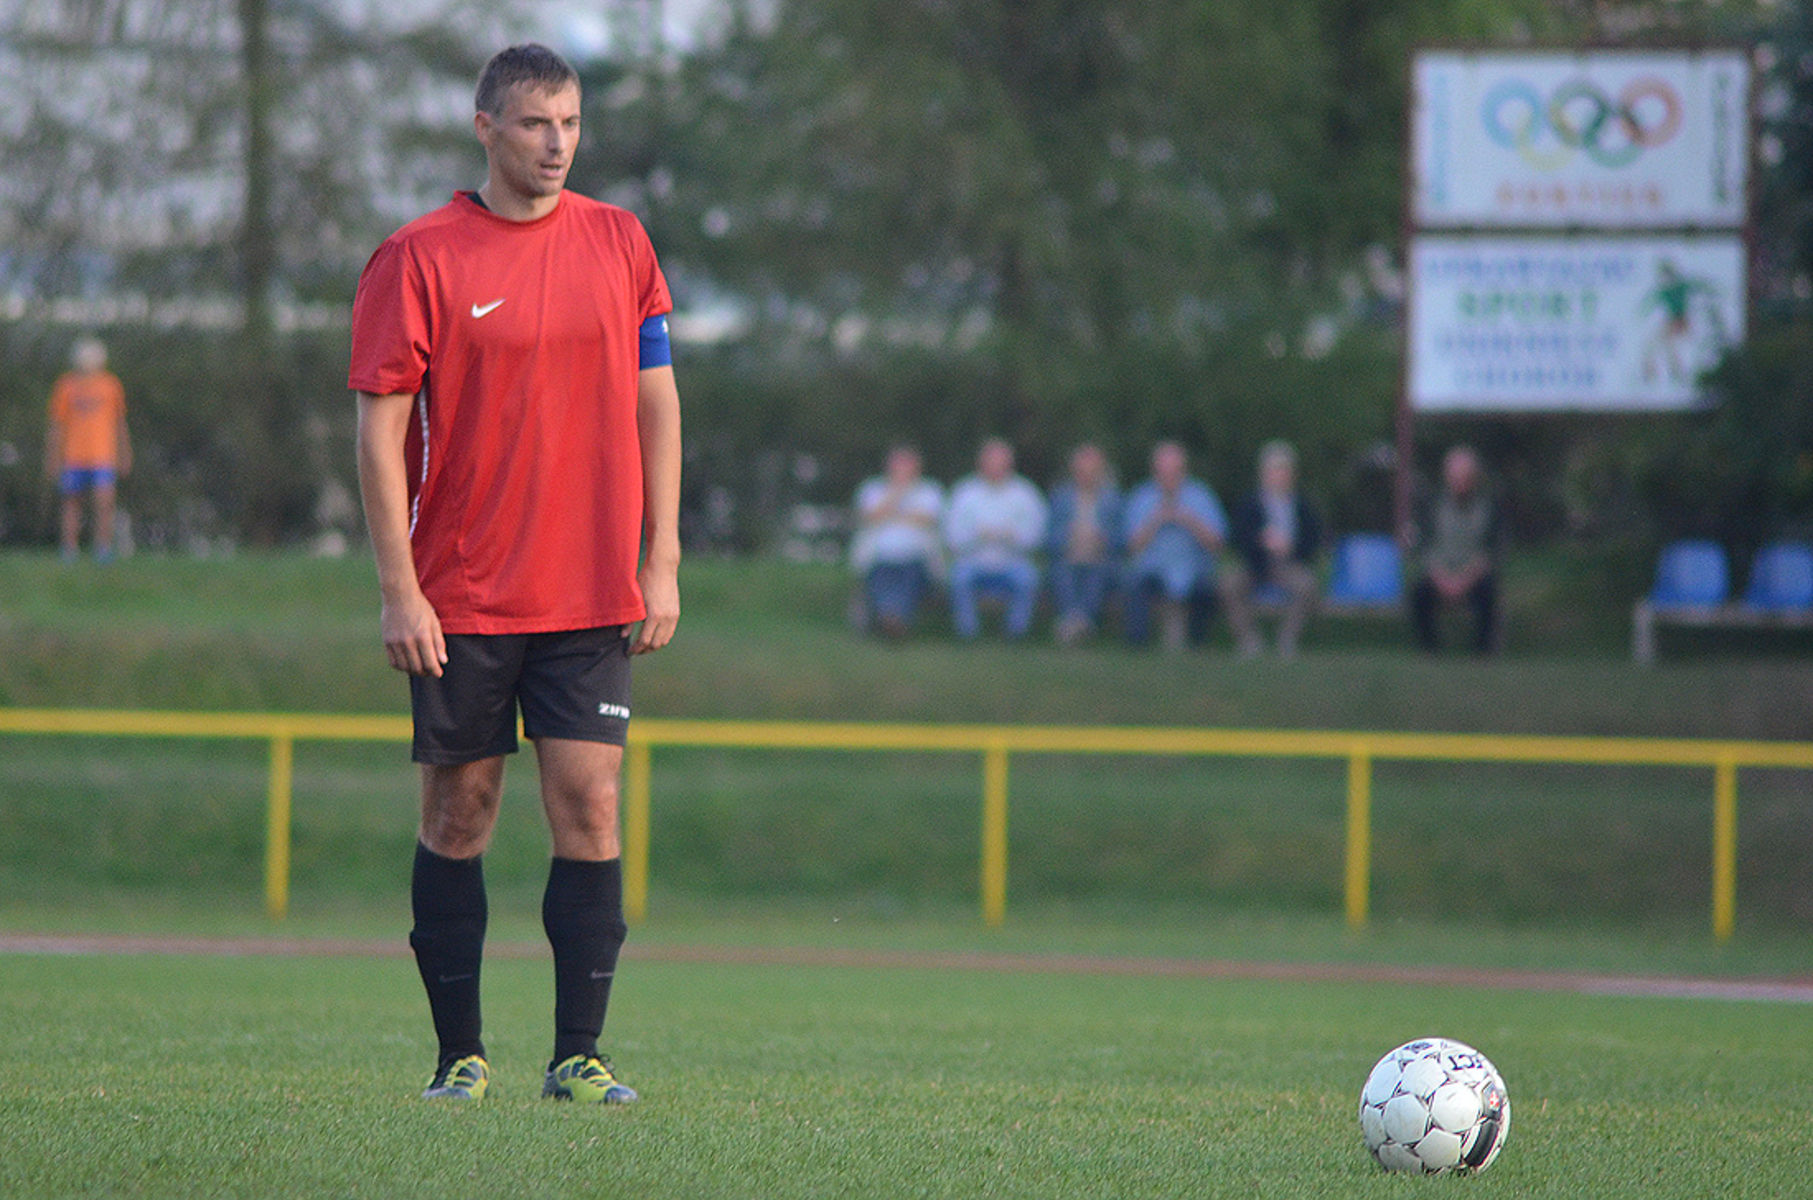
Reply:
x=994, y=832
x=636, y=789
x=277, y=827
x=1359, y=835
x=1724, y=847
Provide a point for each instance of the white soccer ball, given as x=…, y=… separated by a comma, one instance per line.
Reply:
x=1435, y=1105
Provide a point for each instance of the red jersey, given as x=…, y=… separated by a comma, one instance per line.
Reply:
x=519, y=340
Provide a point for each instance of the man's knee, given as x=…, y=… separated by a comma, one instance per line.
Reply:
x=584, y=822
x=459, y=807
x=591, y=820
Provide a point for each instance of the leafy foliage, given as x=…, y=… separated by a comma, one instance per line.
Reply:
x=1048, y=219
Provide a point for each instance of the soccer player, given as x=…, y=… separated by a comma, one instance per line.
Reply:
x=87, y=447
x=519, y=458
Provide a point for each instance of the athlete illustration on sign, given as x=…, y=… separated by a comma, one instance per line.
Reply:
x=1690, y=332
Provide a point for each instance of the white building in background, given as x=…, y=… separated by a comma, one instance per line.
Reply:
x=124, y=138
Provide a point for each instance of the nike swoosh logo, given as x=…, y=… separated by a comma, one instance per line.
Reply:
x=455, y=978
x=602, y=974
x=480, y=310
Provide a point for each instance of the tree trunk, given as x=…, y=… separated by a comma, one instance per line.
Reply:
x=256, y=241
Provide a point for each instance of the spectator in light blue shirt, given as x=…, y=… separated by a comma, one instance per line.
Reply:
x=1084, y=545
x=993, y=526
x=1174, y=526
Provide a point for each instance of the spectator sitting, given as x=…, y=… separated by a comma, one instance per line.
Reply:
x=1174, y=525
x=1276, y=535
x=896, y=549
x=995, y=521
x=1461, y=541
x=1084, y=542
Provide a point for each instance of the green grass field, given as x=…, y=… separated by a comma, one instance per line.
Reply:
x=766, y=640
x=205, y=1077
x=146, y=1075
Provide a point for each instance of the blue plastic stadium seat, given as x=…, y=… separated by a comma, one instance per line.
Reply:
x=1368, y=570
x=1781, y=578
x=1691, y=574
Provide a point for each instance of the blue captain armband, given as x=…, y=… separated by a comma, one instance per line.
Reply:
x=656, y=351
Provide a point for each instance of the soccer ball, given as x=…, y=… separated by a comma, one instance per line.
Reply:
x=1434, y=1105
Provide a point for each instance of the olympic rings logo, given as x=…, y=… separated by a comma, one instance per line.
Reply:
x=1579, y=117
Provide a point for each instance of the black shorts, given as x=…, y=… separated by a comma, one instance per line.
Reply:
x=574, y=684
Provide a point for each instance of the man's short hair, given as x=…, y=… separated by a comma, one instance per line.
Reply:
x=531, y=65
x=89, y=353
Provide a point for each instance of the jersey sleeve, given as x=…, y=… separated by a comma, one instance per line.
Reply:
x=390, y=327
x=654, y=298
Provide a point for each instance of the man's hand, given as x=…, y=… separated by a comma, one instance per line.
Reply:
x=1454, y=585
x=661, y=599
x=1206, y=535
x=412, y=635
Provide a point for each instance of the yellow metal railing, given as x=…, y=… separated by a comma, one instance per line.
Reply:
x=995, y=744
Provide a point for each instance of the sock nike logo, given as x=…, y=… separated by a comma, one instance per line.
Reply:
x=455, y=978
x=602, y=974
x=479, y=310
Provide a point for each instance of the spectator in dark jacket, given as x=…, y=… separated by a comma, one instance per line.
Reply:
x=1276, y=535
x=1460, y=539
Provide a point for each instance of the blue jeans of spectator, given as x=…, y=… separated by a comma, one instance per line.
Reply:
x=1079, y=589
x=895, y=590
x=1016, y=584
x=1142, y=588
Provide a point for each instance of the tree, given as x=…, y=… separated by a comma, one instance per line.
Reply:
x=1049, y=219
x=204, y=179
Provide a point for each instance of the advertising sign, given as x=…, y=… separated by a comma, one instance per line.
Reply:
x=1600, y=139
x=1559, y=324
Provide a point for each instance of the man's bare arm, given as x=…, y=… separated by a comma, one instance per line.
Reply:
x=408, y=624
x=658, y=425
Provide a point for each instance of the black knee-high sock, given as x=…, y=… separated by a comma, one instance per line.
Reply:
x=582, y=911
x=448, y=897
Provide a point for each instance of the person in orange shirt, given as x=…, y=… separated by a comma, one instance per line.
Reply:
x=88, y=448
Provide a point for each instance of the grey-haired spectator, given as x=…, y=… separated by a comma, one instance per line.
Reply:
x=1276, y=535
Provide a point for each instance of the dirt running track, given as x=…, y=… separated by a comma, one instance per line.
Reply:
x=1782, y=991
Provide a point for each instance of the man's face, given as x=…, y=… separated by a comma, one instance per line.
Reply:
x=1460, y=470
x=1168, y=466
x=903, y=465
x=530, y=143
x=1088, y=467
x=1278, y=476
x=995, y=462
